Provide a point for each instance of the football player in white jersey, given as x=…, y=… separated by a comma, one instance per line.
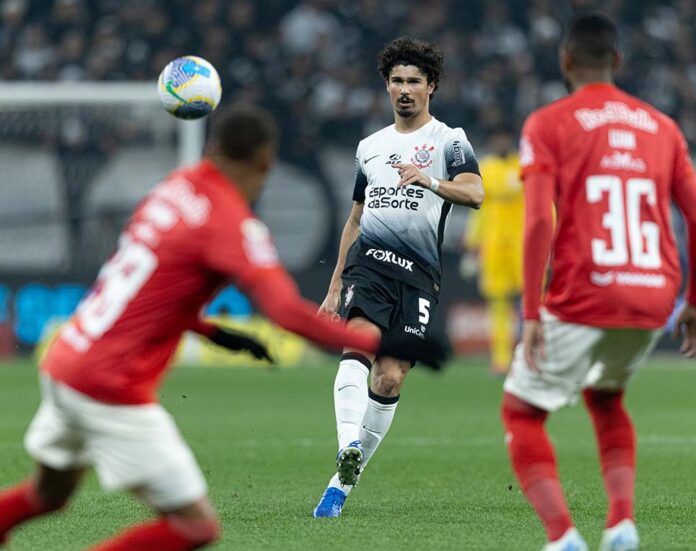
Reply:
x=387, y=276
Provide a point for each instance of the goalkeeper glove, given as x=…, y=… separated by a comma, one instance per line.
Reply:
x=237, y=341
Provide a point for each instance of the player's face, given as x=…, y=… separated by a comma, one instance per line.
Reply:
x=409, y=90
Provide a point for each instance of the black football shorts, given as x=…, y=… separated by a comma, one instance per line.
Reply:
x=393, y=305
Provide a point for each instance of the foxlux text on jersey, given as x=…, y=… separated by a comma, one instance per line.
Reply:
x=385, y=197
x=390, y=257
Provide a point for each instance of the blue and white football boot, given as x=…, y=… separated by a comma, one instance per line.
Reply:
x=570, y=541
x=331, y=503
x=622, y=537
x=349, y=462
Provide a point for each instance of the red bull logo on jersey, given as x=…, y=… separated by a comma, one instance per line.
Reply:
x=389, y=257
x=616, y=112
x=422, y=158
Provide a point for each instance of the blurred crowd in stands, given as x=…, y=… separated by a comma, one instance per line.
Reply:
x=313, y=61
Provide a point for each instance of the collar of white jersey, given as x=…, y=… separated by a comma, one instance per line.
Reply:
x=432, y=120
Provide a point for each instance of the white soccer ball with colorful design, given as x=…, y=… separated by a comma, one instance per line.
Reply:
x=189, y=87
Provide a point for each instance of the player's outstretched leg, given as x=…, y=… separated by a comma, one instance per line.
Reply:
x=534, y=464
x=616, y=441
x=350, y=403
x=189, y=527
x=34, y=497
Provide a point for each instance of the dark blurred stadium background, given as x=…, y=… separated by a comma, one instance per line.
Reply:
x=71, y=171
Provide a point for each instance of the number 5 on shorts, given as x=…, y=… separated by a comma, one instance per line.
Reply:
x=423, y=311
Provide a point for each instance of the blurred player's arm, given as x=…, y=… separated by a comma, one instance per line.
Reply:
x=231, y=340
x=246, y=254
x=538, y=237
x=539, y=167
x=684, y=194
x=274, y=292
x=350, y=233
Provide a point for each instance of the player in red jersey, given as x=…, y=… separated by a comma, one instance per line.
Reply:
x=611, y=165
x=192, y=234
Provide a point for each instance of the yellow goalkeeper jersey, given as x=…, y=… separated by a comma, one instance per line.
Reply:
x=496, y=230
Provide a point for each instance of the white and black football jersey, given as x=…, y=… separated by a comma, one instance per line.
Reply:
x=401, y=229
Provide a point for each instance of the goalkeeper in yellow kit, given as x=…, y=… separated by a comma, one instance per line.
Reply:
x=493, y=242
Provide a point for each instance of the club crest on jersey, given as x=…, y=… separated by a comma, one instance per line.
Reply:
x=349, y=296
x=422, y=158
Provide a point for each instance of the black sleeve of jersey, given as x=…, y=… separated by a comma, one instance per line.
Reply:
x=460, y=157
x=360, y=183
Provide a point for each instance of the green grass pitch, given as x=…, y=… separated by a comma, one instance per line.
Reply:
x=266, y=441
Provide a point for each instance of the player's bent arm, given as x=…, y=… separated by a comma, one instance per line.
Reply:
x=350, y=233
x=465, y=189
x=538, y=237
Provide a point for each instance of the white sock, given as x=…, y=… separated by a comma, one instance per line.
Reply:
x=335, y=483
x=350, y=398
x=378, y=418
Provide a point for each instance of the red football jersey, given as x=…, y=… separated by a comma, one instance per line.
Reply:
x=192, y=234
x=614, y=164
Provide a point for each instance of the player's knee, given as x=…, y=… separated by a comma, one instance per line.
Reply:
x=387, y=384
x=603, y=400
x=515, y=410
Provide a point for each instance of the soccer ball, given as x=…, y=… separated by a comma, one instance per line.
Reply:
x=189, y=87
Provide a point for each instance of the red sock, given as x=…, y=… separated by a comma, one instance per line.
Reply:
x=616, y=441
x=19, y=504
x=164, y=534
x=534, y=464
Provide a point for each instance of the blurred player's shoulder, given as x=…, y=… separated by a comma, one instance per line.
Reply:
x=595, y=106
x=200, y=193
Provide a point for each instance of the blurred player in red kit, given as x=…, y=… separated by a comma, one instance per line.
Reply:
x=611, y=165
x=192, y=234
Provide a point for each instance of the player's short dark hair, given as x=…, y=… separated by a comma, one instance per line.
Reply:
x=406, y=51
x=238, y=131
x=591, y=40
